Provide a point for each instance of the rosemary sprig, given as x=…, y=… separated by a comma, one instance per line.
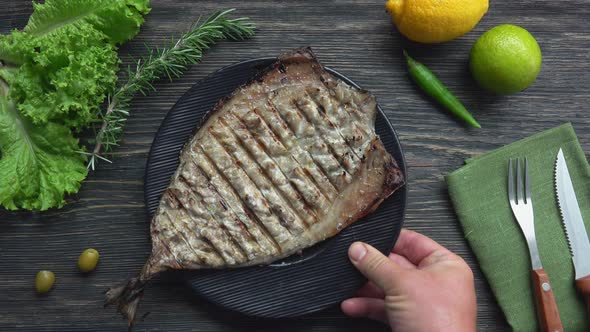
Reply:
x=167, y=62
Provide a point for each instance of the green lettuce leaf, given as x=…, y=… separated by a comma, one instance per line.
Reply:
x=64, y=77
x=53, y=77
x=119, y=20
x=39, y=163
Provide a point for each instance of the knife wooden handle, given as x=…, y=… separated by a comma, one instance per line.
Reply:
x=583, y=286
x=547, y=312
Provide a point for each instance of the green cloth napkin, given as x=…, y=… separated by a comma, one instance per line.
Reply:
x=479, y=194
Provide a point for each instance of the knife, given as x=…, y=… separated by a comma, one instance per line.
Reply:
x=574, y=227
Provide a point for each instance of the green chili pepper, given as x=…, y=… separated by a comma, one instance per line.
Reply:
x=433, y=87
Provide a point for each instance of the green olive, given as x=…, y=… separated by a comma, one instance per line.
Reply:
x=88, y=260
x=44, y=281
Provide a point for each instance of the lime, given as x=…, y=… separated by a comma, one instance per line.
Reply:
x=506, y=59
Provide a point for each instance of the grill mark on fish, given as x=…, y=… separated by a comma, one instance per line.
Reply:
x=366, y=129
x=335, y=126
x=224, y=189
x=206, y=255
x=218, y=210
x=354, y=130
x=316, y=145
x=276, y=202
x=361, y=103
x=181, y=231
x=294, y=192
x=162, y=229
x=169, y=229
x=324, y=163
x=339, y=111
x=310, y=191
x=333, y=110
x=336, y=143
x=213, y=248
x=241, y=139
x=302, y=157
x=258, y=129
x=215, y=229
x=219, y=180
x=233, y=229
x=219, y=239
x=161, y=255
x=169, y=218
x=254, y=201
x=337, y=90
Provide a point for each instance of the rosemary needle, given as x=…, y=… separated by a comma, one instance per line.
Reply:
x=160, y=63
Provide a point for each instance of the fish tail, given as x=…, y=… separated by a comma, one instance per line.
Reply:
x=128, y=295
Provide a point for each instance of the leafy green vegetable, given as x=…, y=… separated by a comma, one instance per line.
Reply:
x=57, y=71
x=39, y=163
x=119, y=20
x=53, y=76
x=67, y=57
x=63, y=77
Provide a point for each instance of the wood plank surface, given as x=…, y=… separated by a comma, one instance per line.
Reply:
x=356, y=38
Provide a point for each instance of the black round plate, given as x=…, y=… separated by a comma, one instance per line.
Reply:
x=317, y=278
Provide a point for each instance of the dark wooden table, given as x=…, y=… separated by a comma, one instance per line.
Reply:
x=354, y=37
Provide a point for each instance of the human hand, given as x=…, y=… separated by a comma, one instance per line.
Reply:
x=422, y=286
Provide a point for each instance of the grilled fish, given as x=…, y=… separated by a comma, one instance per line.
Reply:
x=286, y=161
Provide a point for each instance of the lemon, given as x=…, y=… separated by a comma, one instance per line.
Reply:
x=506, y=59
x=436, y=21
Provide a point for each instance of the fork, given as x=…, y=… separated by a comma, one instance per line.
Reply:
x=521, y=203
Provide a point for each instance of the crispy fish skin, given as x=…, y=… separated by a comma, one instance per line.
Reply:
x=288, y=160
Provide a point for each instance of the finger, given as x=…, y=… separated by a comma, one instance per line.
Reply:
x=436, y=257
x=365, y=307
x=374, y=265
x=370, y=290
x=401, y=261
x=415, y=246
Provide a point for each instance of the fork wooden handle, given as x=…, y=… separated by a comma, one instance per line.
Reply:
x=583, y=286
x=547, y=312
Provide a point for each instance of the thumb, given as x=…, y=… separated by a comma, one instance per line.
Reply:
x=375, y=266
